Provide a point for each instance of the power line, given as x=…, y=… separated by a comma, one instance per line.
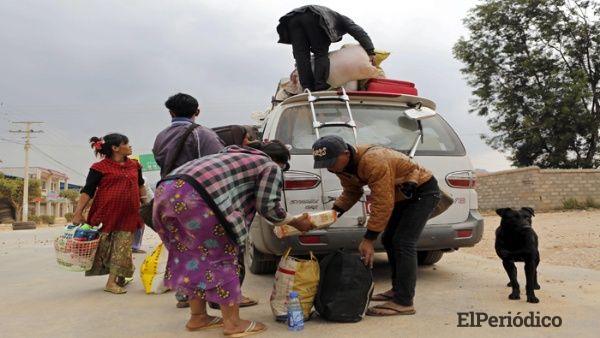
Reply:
x=28, y=131
x=64, y=145
x=60, y=135
x=59, y=138
x=5, y=140
x=57, y=161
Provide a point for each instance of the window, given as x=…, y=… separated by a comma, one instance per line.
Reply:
x=382, y=125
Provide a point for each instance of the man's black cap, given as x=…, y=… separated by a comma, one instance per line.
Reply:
x=327, y=149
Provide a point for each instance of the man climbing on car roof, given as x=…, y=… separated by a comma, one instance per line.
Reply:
x=313, y=28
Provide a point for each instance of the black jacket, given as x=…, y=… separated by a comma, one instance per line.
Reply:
x=332, y=22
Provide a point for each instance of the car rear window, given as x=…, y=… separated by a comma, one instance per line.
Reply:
x=382, y=125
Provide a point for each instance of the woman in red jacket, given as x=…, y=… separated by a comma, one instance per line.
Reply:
x=114, y=184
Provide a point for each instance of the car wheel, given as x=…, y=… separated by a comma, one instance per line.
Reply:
x=24, y=225
x=258, y=262
x=429, y=257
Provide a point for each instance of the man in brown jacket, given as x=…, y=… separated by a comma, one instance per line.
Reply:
x=403, y=196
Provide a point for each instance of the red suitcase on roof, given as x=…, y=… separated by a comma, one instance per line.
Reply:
x=391, y=86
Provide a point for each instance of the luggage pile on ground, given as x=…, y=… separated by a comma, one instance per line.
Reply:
x=345, y=288
x=294, y=275
x=339, y=287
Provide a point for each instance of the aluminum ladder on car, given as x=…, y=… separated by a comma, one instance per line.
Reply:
x=317, y=125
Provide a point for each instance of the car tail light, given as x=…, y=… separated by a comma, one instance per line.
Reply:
x=301, y=184
x=461, y=179
x=297, y=180
x=464, y=233
x=310, y=239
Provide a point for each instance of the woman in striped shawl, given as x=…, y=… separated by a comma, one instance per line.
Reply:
x=202, y=211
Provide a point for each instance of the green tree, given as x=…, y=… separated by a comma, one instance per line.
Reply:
x=534, y=66
x=71, y=195
x=12, y=188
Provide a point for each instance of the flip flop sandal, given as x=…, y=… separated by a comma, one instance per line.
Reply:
x=116, y=291
x=123, y=281
x=246, y=302
x=381, y=297
x=250, y=330
x=214, y=323
x=372, y=311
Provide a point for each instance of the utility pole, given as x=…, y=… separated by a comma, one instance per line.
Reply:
x=28, y=131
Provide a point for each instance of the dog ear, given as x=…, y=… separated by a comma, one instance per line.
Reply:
x=529, y=210
x=501, y=211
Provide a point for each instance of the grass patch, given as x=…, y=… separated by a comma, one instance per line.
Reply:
x=574, y=204
x=591, y=203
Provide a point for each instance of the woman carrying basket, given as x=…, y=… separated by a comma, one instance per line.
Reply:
x=114, y=184
x=202, y=211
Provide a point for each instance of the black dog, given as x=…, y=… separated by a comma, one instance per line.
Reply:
x=517, y=242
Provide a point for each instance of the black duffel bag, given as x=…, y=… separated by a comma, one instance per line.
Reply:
x=345, y=288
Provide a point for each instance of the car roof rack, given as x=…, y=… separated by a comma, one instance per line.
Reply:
x=359, y=95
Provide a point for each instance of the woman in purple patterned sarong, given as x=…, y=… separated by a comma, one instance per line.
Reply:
x=201, y=212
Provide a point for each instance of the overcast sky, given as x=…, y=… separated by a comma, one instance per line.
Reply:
x=87, y=68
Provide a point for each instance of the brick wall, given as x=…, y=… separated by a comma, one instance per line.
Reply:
x=542, y=189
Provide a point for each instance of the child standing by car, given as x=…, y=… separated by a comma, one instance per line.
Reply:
x=114, y=184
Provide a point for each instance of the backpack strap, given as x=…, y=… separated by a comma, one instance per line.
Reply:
x=180, y=144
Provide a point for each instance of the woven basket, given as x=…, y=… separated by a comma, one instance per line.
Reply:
x=73, y=255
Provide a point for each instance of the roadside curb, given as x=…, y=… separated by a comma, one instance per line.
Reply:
x=9, y=226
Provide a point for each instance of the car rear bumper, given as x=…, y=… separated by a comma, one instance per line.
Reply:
x=446, y=236
x=434, y=237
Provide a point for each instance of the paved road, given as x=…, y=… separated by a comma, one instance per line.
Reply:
x=37, y=299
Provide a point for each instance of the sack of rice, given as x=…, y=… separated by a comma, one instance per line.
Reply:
x=349, y=63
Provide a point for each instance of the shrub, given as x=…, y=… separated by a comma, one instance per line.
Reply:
x=47, y=219
x=591, y=203
x=34, y=218
x=572, y=204
x=69, y=216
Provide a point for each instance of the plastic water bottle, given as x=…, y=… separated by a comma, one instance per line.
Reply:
x=295, y=314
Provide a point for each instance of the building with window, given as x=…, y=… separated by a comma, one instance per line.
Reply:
x=52, y=183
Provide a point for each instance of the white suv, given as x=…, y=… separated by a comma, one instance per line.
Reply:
x=377, y=118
